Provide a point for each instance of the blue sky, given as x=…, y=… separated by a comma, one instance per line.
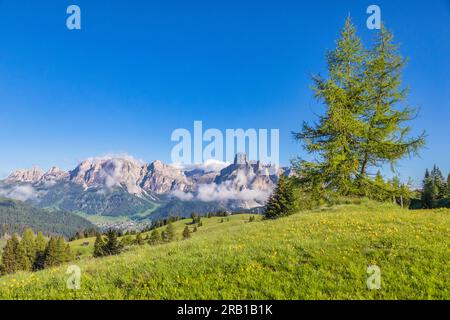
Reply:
x=140, y=69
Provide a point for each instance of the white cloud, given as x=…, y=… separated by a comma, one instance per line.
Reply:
x=115, y=156
x=225, y=192
x=22, y=193
x=210, y=165
x=185, y=196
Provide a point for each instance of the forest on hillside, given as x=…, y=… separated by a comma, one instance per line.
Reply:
x=16, y=216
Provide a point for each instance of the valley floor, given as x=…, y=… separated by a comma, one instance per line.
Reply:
x=320, y=254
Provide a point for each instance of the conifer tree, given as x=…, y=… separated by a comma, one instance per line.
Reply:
x=155, y=237
x=9, y=261
x=127, y=240
x=68, y=254
x=99, y=246
x=448, y=186
x=52, y=255
x=429, y=191
x=195, y=229
x=385, y=137
x=40, y=244
x=139, y=241
x=169, y=233
x=439, y=182
x=362, y=126
x=28, y=243
x=333, y=138
x=186, y=233
x=112, y=245
x=281, y=202
x=23, y=262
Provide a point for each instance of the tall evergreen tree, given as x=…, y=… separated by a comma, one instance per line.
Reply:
x=448, y=186
x=99, y=246
x=24, y=263
x=362, y=126
x=28, y=243
x=333, y=136
x=112, y=245
x=40, y=245
x=169, y=233
x=429, y=191
x=155, y=237
x=9, y=261
x=386, y=135
x=139, y=240
x=52, y=255
x=281, y=202
x=40, y=242
x=439, y=182
x=186, y=233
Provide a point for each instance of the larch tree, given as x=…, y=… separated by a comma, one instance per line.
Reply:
x=386, y=136
x=365, y=124
x=332, y=138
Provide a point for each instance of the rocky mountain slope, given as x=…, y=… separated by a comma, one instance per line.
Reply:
x=124, y=186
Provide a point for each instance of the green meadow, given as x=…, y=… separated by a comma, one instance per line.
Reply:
x=318, y=254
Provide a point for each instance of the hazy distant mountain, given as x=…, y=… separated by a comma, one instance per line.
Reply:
x=122, y=185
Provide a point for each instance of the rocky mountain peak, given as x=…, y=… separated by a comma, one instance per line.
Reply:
x=55, y=174
x=26, y=175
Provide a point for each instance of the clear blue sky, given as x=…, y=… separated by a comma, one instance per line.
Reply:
x=140, y=69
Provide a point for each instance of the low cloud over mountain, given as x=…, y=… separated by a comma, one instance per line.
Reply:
x=101, y=185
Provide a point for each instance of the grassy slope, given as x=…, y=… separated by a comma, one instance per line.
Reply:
x=209, y=225
x=312, y=255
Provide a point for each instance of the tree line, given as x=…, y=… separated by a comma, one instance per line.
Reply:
x=435, y=191
x=111, y=245
x=33, y=252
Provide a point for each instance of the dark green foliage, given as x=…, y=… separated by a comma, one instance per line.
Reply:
x=195, y=218
x=87, y=233
x=448, y=186
x=168, y=235
x=434, y=192
x=99, y=246
x=155, y=237
x=281, y=202
x=10, y=263
x=176, y=207
x=186, y=233
x=34, y=253
x=40, y=245
x=28, y=244
x=139, y=240
x=112, y=245
x=16, y=216
x=127, y=240
x=75, y=198
x=195, y=229
x=53, y=253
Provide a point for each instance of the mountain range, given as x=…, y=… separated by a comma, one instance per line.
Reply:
x=123, y=186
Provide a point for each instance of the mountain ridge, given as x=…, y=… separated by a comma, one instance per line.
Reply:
x=112, y=184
